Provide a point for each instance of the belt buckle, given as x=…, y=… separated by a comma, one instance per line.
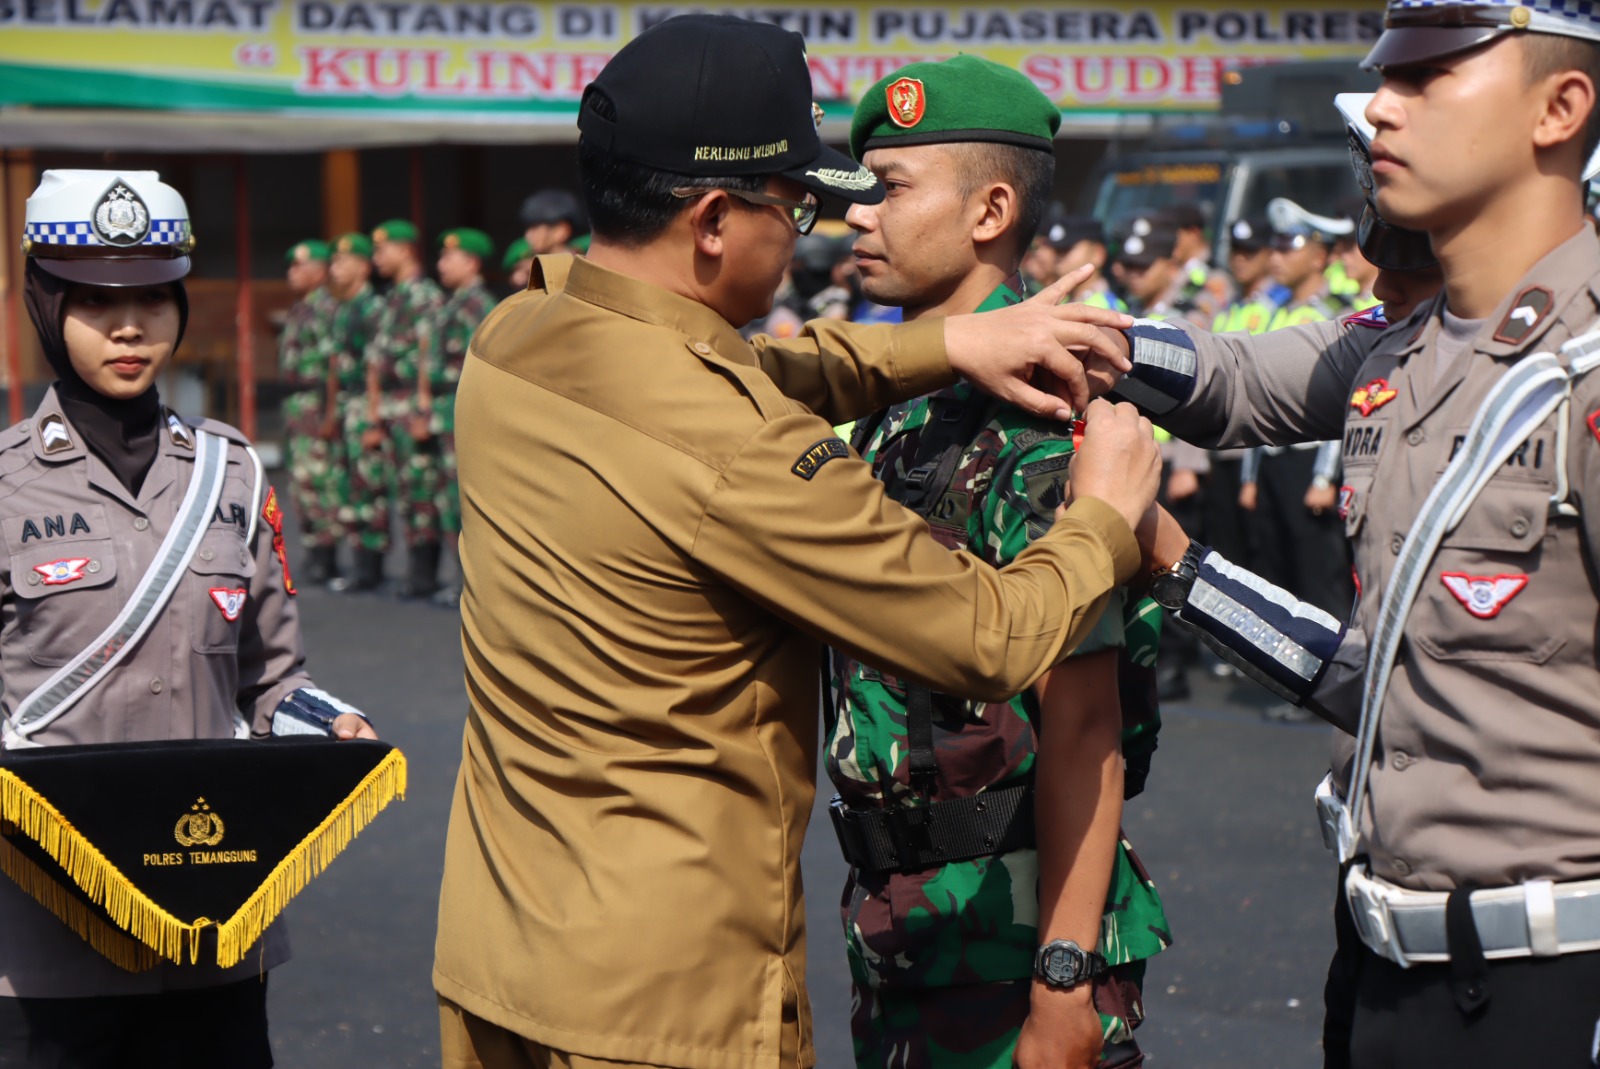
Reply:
x=1369, y=908
x=1330, y=811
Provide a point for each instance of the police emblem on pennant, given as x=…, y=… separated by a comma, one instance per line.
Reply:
x=1483, y=596
x=272, y=515
x=199, y=827
x=231, y=602
x=1373, y=396
x=908, y=102
x=1347, y=497
x=64, y=571
x=121, y=217
x=1373, y=318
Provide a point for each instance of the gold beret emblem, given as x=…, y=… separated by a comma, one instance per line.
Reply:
x=380, y=234
x=302, y=253
x=1521, y=17
x=451, y=241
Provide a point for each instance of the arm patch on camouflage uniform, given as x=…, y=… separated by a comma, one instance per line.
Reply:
x=812, y=460
x=1045, y=482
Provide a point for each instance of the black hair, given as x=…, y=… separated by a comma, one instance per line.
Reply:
x=1029, y=171
x=632, y=204
x=1545, y=54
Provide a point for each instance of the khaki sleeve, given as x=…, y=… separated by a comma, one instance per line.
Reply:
x=798, y=524
x=843, y=371
x=272, y=656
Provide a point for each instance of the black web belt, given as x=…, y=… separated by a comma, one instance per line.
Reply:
x=916, y=837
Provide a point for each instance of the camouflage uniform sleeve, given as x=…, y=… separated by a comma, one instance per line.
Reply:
x=1031, y=483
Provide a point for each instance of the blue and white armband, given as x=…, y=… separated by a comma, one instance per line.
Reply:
x=1164, y=367
x=1266, y=632
x=310, y=711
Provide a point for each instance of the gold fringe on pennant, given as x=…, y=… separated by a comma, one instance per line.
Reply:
x=136, y=913
x=310, y=856
x=114, y=946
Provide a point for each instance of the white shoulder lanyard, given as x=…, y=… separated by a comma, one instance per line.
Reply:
x=1516, y=407
x=80, y=675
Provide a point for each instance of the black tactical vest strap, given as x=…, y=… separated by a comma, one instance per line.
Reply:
x=912, y=838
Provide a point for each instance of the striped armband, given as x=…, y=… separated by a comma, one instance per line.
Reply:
x=1163, y=367
x=310, y=711
x=1276, y=639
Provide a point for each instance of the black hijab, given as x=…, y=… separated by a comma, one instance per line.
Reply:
x=124, y=434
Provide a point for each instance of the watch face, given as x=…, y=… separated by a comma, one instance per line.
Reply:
x=1062, y=966
x=1169, y=591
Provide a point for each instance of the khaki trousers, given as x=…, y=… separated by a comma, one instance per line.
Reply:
x=469, y=1042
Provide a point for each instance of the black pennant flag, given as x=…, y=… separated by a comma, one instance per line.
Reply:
x=141, y=848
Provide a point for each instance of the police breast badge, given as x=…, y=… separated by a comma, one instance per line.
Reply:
x=1483, y=596
x=121, y=217
x=1373, y=396
x=184, y=850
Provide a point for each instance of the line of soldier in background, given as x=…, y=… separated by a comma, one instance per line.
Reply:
x=369, y=417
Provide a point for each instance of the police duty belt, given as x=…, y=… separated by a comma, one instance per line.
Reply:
x=184, y=849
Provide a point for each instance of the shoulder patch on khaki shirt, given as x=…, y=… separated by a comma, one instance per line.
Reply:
x=812, y=460
x=1527, y=312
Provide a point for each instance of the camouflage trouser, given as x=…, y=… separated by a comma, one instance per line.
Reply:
x=318, y=482
x=419, y=475
x=976, y=1026
x=444, y=432
x=365, y=514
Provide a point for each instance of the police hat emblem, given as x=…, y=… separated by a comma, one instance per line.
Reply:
x=121, y=218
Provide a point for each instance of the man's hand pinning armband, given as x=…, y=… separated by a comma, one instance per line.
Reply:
x=310, y=711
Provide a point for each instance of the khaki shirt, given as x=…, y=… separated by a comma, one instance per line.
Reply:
x=1485, y=761
x=189, y=675
x=660, y=532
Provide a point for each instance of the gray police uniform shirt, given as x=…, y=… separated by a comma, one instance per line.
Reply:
x=77, y=542
x=1484, y=764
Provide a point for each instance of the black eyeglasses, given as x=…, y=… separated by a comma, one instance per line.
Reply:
x=802, y=213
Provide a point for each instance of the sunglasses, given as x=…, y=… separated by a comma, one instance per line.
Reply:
x=802, y=213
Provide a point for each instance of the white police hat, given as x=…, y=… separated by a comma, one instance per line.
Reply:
x=108, y=228
x=1418, y=30
x=1288, y=219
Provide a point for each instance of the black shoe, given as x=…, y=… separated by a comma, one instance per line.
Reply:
x=368, y=574
x=1172, y=684
x=422, y=578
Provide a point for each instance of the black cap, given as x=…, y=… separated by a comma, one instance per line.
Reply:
x=1071, y=229
x=716, y=95
x=1147, y=242
x=554, y=206
x=1183, y=217
x=1250, y=232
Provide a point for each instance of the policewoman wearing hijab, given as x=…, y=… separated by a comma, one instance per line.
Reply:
x=144, y=596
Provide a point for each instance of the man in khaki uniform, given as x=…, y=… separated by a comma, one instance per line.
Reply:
x=659, y=524
x=1482, y=769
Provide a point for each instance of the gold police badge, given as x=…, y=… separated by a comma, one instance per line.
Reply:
x=199, y=827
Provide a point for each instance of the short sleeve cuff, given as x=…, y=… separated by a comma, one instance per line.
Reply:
x=1114, y=532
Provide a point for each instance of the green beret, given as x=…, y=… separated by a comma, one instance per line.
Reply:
x=967, y=98
x=518, y=251
x=308, y=250
x=467, y=239
x=394, y=230
x=357, y=244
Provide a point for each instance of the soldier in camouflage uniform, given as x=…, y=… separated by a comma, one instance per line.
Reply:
x=943, y=957
x=398, y=466
x=462, y=253
x=303, y=363
x=355, y=323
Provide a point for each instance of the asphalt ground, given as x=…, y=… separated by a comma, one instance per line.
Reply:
x=1225, y=827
